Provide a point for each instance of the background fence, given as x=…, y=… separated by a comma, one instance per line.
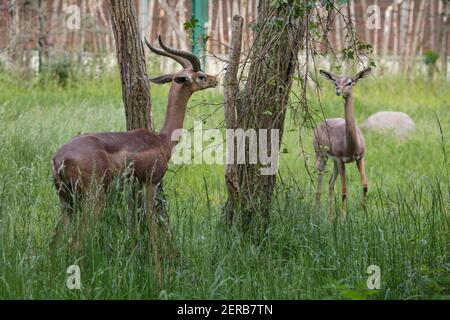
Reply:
x=32, y=29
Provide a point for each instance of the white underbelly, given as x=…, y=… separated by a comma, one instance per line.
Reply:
x=345, y=159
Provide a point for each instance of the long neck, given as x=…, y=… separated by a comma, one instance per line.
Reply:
x=176, y=109
x=350, y=126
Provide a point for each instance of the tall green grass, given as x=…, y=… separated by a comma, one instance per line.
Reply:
x=404, y=229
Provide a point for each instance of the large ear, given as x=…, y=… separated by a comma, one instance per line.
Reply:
x=361, y=74
x=162, y=79
x=183, y=79
x=328, y=75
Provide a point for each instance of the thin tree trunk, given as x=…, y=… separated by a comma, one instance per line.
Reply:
x=246, y=36
x=181, y=20
x=104, y=25
x=143, y=17
x=404, y=18
x=42, y=41
x=409, y=35
x=387, y=31
x=445, y=25
x=395, y=28
x=210, y=28
x=148, y=29
x=229, y=14
x=94, y=27
x=131, y=60
x=375, y=37
x=220, y=24
x=432, y=22
x=262, y=105
x=231, y=93
x=54, y=24
x=82, y=31
x=338, y=31
x=13, y=29
x=417, y=30
x=422, y=29
x=172, y=20
x=364, y=14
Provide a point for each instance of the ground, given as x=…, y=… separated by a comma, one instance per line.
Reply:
x=404, y=229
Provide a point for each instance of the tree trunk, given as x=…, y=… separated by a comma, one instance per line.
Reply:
x=262, y=105
x=42, y=35
x=131, y=60
x=417, y=31
x=231, y=85
x=404, y=20
x=13, y=29
x=170, y=9
x=143, y=17
x=375, y=37
x=386, y=32
x=445, y=24
x=395, y=29
x=409, y=35
x=364, y=14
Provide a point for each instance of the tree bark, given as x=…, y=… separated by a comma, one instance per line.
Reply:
x=143, y=17
x=131, y=60
x=13, y=29
x=386, y=31
x=404, y=20
x=364, y=15
x=170, y=9
x=262, y=105
x=231, y=85
x=42, y=35
x=445, y=25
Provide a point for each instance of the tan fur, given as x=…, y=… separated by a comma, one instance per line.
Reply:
x=341, y=140
x=144, y=155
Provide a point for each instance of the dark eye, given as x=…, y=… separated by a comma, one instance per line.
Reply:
x=349, y=83
x=202, y=77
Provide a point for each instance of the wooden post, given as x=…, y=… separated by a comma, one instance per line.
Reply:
x=231, y=93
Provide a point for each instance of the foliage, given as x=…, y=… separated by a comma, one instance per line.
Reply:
x=191, y=24
x=430, y=57
x=59, y=69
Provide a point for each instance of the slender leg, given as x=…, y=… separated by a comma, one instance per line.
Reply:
x=164, y=224
x=320, y=165
x=152, y=223
x=331, y=189
x=61, y=226
x=341, y=170
x=64, y=220
x=84, y=224
x=133, y=204
x=362, y=172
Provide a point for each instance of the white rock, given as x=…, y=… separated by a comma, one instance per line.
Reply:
x=388, y=121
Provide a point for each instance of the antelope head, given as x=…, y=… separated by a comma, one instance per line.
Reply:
x=344, y=84
x=191, y=76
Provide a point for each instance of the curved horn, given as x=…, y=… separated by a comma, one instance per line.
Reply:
x=178, y=59
x=192, y=58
